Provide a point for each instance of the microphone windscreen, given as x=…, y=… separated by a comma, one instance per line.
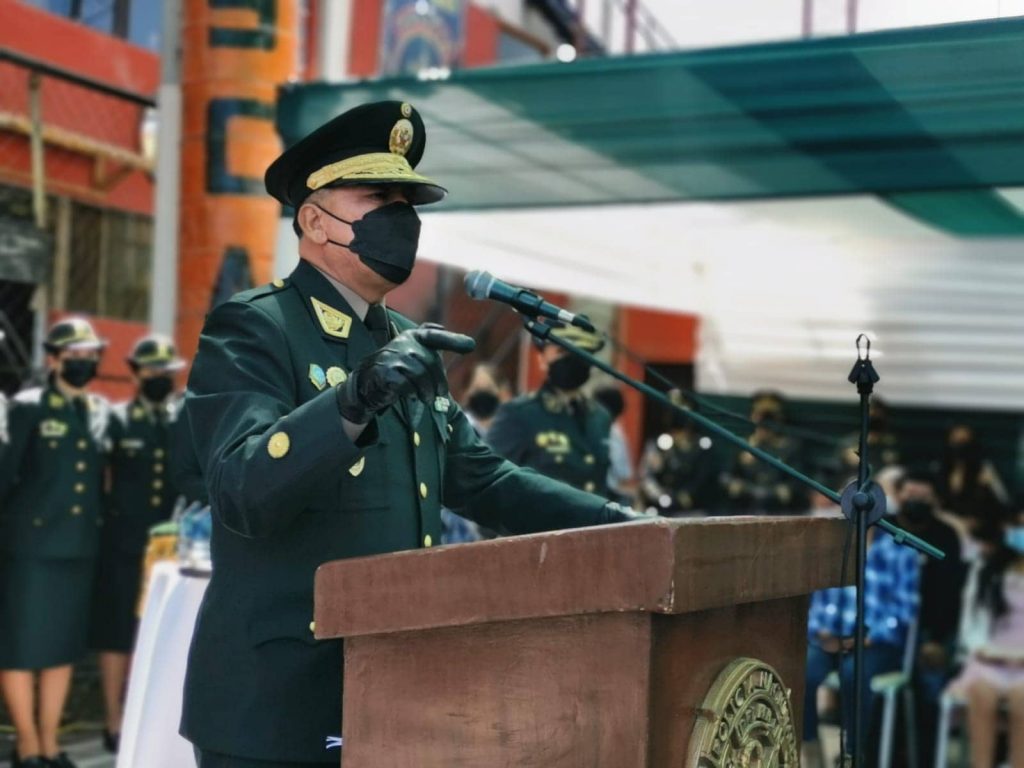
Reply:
x=478, y=284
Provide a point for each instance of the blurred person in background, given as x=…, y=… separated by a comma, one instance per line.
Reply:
x=883, y=445
x=621, y=477
x=994, y=672
x=141, y=495
x=970, y=485
x=751, y=485
x=488, y=388
x=559, y=430
x=939, y=617
x=51, y=486
x=892, y=596
x=677, y=468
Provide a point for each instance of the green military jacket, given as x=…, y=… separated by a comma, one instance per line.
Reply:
x=569, y=443
x=141, y=491
x=753, y=486
x=676, y=472
x=289, y=491
x=51, y=475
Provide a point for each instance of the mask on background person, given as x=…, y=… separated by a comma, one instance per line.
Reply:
x=78, y=371
x=1015, y=538
x=916, y=511
x=157, y=388
x=568, y=373
x=483, y=404
x=385, y=240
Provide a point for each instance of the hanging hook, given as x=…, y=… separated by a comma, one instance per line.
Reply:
x=864, y=354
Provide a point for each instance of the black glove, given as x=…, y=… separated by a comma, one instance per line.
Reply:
x=406, y=365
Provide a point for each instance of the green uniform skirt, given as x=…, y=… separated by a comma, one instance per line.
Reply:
x=44, y=611
x=115, y=602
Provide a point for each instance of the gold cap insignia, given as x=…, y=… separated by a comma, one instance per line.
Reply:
x=317, y=376
x=357, y=469
x=406, y=109
x=401, y=137
x=278, y=445
x=336, y=375
x=56, y=401
x=333, y=322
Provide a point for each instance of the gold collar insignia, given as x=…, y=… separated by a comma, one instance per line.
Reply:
x=333, y=322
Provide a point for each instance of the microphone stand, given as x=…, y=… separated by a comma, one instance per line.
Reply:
x=862, y=502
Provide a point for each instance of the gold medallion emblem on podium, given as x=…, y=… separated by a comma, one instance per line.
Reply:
x=745, y=720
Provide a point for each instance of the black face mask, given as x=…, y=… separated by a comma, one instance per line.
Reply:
x=916, y=511
x=78, y=371
x=157, y=388
x=568, y=373
x=385, y=240
x=483, y=404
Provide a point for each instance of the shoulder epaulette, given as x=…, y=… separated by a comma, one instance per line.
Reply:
x=30, y=396
x=260, y=291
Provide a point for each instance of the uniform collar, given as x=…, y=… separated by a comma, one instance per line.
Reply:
x=359, y=305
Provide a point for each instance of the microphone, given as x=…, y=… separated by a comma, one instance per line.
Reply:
x=483, y=285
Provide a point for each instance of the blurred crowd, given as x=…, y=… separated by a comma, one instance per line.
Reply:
x=945, y=638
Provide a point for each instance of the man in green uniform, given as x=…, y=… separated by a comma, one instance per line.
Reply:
x=753, y=486
x=51, y=476
x=325, y=430
x=677, y=468
x=558, y=430
x=141, y=495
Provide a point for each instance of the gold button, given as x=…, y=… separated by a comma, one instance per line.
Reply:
x=588, y=459
x=80, y=466
x=357, y=469
x=158, y=484
x=427, y=541
x=423, y=490
x=79, y=487
x=416, y=439
x=38, y=522
x=83, y=444
x=559, y=459
x=158, y=468
x=53, y=443
x=155, y=501
x=278, y=283
x=450, y=429
x=312, y=626
x=589, y=487
x=278, y=445
x=158, y=453
x=76, y=510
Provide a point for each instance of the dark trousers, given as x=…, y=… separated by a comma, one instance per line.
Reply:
x=206, y=759
x=878, y=659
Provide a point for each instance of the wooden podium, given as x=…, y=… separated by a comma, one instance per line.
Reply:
x=650, y=644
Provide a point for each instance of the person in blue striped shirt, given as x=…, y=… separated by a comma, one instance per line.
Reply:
x=891, y=599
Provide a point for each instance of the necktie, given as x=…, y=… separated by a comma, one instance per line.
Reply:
x=376, y=322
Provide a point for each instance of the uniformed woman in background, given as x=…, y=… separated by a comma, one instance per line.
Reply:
x=141, y=495
x=51, y=475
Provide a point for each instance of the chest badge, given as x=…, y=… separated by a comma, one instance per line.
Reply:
x=53, y=428
x=317, y=376
x=336, y=375
x=333, y=322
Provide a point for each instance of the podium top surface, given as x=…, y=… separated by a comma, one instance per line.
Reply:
x=656, y=566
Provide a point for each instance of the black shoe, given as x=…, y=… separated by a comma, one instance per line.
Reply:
x=36, y=761
x=60, y=761
x=111, y=742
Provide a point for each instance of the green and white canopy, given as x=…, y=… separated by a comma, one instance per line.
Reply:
x=791, y=194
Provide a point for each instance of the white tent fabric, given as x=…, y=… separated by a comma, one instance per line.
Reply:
x=782, y=289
